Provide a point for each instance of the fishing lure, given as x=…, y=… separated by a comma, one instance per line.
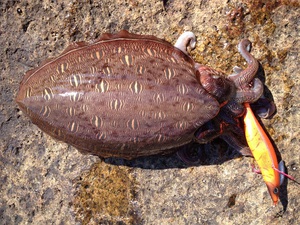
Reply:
x=264, y=153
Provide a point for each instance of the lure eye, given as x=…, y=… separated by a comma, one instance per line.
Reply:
x=276, y=191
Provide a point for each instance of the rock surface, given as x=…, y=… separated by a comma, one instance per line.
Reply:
x=43, y=181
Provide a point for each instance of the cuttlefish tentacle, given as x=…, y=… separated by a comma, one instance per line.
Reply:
x=187, y=39
x=243, y=77
x=249, y=88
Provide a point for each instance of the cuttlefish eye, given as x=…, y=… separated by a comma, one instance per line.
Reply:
x=276, y=190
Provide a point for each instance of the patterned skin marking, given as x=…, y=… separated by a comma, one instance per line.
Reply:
x=119, y=50
x=181, y=125
x=107, y=70
x=97, y=54
x=158, y=81
x=127, y=60
x=169, y=73
x=133, y=124
x=28, y=92
x=136, y=87
x=84, y=107
x=102, y=87
x=140, y=69
x=161, y=138
x=53, y=79
x=172, y=59
x=176, y=98
x=138, y=98
x=134, y=140
x=47, y=94
x=107, y=60
x=150, y=51
x=97, y=121
x=75, y=80
x=70, y=111
x=75, y=96
x=73, y=127
x=57, y=132
x=45, y=111
x=182, y=89
x=116, y=104
x=118, y=86
x=93, y=69
x=158, y=98
x=56, y=107
x=113, y=123
x=101, y=135
x=160, y=115
x=188, y=106
x=62, y=68
x=142, y=113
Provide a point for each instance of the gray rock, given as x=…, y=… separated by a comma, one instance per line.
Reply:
x=43, y=181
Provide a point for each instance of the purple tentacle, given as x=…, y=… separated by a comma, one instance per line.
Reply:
x=252, y=94
x=243, y=78
x=264, y=108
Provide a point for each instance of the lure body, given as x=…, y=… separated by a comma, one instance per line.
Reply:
x=263, y=152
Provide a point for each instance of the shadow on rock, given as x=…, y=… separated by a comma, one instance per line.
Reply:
x=216, y=152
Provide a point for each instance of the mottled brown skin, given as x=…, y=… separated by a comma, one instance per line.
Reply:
x=128, y=95
x=124, y=95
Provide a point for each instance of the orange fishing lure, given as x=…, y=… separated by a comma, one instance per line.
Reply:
x=263, y=152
